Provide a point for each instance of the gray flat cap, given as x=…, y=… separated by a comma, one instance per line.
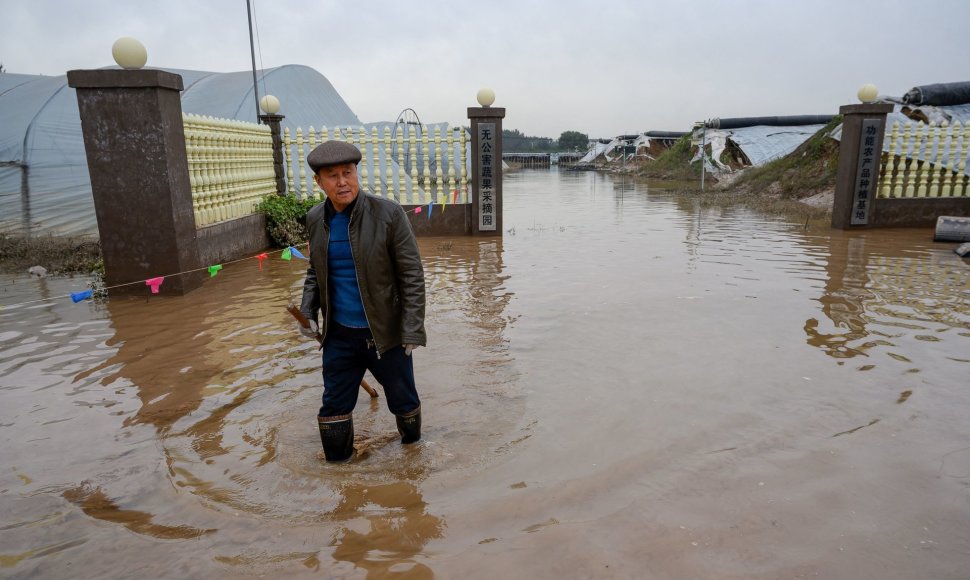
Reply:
x=332, y=153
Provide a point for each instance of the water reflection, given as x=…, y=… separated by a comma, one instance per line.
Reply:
x=469, y=370
x=169, y=364
x=466, y=276
x=229, y=389
x=95, y=503
x=846, y=292
x=876, y=293
x=387, y=526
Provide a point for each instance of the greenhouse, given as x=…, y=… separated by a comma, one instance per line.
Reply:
x=44, y=183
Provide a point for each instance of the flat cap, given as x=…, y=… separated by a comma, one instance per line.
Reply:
x=332, y=153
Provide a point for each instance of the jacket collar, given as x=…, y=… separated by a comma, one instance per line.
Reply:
x=330, y=211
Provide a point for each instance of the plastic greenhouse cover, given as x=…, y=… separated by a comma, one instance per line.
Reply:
x=642, y=141
x=42, y=147
x=760, y=144
x=717, y=139
x=597, y=150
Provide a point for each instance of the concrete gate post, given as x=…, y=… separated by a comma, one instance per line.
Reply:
x=486, y=130
x=860, y=155
x=135, y=145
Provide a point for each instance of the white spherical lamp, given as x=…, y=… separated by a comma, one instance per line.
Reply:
x=868, y=93
x=486, y=97
x=269, y=104
x=129, y=53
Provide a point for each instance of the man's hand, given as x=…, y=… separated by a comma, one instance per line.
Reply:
x=311, y=331
x=408, y=348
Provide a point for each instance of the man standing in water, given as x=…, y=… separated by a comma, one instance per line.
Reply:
x=366, y=280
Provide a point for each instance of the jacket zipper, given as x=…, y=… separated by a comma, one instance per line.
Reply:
x=326, y=289
x=353, y=256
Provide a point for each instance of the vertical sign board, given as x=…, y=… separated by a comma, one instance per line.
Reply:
x=867, y=171
x=486, y=184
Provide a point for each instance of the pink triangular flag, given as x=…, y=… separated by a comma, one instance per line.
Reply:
x=154, y=283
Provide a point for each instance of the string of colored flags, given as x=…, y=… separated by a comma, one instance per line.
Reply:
x=155, y=283
x=430, y=206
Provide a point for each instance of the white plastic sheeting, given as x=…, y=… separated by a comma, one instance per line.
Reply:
x=642, y=142
x=717, y=139
x=596, y=150
x=937, y=115
x=43, y=168
x=44, y=182
x=610, y=147
x=760, y=143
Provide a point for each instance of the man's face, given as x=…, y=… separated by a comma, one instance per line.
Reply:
x=339, y=182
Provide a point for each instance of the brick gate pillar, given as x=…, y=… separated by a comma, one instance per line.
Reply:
x=860, y=155
x=135, y=145
x=486, y=129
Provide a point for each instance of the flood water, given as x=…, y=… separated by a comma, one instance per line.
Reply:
x=629, y=384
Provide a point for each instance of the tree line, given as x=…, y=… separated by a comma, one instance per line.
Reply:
x=514, y=141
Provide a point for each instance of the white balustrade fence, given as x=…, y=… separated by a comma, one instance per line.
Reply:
x=230, y=167
x=925, y=161
x=413, y=166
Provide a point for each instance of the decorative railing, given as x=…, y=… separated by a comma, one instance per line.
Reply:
x=925, y=161
x=414, y=166
x=230, y=167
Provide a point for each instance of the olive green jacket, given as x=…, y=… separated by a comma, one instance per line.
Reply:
x=389, y=271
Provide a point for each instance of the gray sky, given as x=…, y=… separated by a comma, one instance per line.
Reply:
x=602, y=68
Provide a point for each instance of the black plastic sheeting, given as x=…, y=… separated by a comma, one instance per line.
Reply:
x=939, y=95
x=666, y=134
x=790, y=121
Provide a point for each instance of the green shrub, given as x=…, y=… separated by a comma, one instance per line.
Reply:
x=286, y=218
x=674, y=163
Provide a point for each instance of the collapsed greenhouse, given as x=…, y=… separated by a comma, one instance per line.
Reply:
x=754, y=141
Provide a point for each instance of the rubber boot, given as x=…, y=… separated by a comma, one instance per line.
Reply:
x=409, y=426
x=337, y=437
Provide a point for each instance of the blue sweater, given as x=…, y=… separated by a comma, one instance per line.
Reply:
x=346, y=306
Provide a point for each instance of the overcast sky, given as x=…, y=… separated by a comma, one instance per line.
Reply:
x=600, y=67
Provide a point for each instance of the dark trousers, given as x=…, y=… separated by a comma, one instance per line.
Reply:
x=347, y=354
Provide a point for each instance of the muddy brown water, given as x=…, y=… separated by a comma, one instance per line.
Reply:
x=629, y=384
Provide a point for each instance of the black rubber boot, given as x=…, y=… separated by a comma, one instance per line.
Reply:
x=409, y=426
x=337, y=437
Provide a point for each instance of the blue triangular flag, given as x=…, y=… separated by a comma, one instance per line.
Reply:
x=430, y=210
x=83, y=295
x=297, y=253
